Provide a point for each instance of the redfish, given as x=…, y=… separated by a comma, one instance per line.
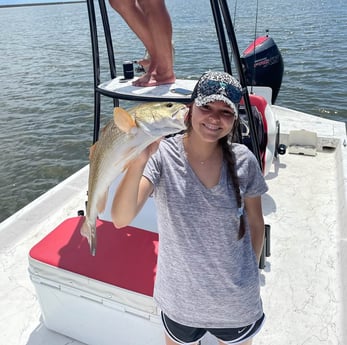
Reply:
x=122, y=140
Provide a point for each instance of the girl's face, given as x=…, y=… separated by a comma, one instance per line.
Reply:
x=212, y=121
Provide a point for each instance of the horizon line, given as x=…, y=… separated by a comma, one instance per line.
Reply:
x=43, y=3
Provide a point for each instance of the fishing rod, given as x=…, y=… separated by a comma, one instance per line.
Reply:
x=221, y=36
x=254, y=46
x=221, y=13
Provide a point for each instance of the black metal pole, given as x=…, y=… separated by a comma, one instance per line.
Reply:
x=223, y=8
x=107, y=32
x=221, y=36
x=96, y=67
x=238, y=65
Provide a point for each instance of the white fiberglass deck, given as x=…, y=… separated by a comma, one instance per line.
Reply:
x=302, y=283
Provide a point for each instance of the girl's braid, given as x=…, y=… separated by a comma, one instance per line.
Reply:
x=229, y=156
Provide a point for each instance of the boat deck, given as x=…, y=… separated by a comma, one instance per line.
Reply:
x=302, y=283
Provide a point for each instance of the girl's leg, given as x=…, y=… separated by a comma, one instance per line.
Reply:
x=247, y=342
x=169, y=341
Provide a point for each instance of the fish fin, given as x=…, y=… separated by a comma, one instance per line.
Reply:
x=85, y=230
x=90, y=233
x=91, y=151
x=123, y=120
x=101, y=204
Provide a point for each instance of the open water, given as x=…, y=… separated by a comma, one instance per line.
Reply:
x=46, y=99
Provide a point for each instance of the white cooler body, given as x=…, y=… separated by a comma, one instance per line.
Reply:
x=101, y=300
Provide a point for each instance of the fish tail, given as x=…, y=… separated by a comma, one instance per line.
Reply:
x=89, y=232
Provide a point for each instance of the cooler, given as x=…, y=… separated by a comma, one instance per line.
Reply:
x=99, y=300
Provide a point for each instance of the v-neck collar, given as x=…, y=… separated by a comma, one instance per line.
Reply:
x=222, y=178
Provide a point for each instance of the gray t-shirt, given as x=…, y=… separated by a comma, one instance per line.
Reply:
x=206, y=277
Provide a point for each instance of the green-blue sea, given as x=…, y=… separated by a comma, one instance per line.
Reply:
x=46, y=76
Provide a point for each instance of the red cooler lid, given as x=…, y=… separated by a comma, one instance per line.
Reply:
x=125, y=257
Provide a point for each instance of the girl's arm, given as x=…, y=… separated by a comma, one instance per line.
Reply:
x=133, y=190
x=256, y=223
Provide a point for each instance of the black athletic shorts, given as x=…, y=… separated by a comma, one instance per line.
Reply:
x=190, y=335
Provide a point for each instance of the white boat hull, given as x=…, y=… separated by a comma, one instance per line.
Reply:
x=303, y=282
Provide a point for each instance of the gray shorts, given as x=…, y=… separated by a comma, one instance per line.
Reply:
x=182, y=334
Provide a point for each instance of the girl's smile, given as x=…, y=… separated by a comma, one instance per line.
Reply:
x=213, y=120
x=211, y=126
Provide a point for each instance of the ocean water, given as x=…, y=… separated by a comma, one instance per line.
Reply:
x=46, y=99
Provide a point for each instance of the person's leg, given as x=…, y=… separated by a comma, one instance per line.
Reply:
x=247, y=342
x=160, y=70
x=133, y=15
x=150, y=21
x=169, y=341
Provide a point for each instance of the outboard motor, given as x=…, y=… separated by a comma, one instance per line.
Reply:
x=263, y=65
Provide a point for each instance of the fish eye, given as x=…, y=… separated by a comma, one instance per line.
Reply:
x=169, y=105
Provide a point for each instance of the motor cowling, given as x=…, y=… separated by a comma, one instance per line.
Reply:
x=263, y=65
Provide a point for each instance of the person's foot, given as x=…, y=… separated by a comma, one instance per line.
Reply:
x=147, y=65
x=153, y=79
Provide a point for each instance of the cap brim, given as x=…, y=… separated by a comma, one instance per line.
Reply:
x=200, y=101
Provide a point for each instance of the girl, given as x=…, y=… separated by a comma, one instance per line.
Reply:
x=211, y=228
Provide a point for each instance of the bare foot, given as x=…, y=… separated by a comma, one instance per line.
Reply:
x=142, y=80
x=153, y=79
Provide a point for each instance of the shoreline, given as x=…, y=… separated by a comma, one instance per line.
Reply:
x=42, y=3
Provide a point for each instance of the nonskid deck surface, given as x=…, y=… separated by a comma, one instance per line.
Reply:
x=302, y=282
x=181, y=89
